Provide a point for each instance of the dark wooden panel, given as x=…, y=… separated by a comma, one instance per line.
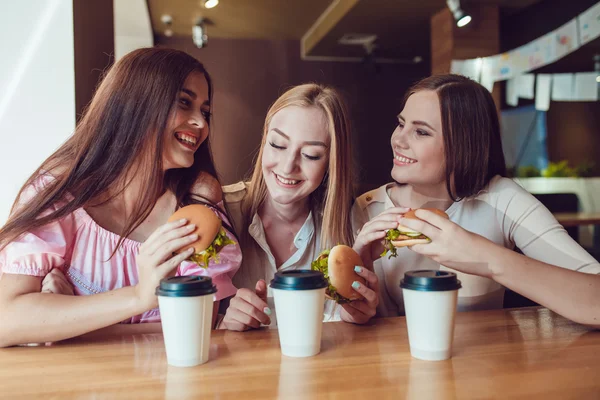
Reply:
x=94, y=46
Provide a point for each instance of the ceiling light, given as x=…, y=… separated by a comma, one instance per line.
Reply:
x=210, y=3
x=463, y=21
x=460, y=16
x=167, y=20
x=199, y=35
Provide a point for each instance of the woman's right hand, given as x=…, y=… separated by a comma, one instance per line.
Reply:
x=156, y=259
x=248, y=309
x=368, y=243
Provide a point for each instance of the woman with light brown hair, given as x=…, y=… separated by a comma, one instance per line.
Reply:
x=93, y=217
x=296, y=204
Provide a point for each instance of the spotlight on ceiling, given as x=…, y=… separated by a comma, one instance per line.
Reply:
x=463, y=21
x=210, y=3
x=199, y=35
x=168, y=21
x=460, y=16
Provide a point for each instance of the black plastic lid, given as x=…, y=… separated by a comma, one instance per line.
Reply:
x=302, y=279
x=186, y=286
x=430, y=281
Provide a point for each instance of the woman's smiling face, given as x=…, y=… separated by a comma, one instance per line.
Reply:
x=418, y=142
x=296, y=153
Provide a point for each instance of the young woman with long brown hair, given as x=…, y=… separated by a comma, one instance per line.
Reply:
x=296, y=204
x=447, y=154
x=96, y=209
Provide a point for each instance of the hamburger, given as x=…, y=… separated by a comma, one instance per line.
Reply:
x=338, y=265
x=404, y=236
x=211, y=235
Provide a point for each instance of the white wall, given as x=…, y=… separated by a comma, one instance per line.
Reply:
x=37, y=88
x=133, y=28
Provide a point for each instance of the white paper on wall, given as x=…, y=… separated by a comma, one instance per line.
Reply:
x=589, y=24
x=456, y=66
x=586, y=87
x=469, y=68
x=500, y=67
x=525, y=85
x=538, y=53
x=535, y=54
x=512, y=92
x=542, y=92
x=566, y=39
x=487, y=78
x=562, y=87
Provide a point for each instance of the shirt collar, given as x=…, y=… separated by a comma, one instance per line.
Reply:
x=306, y=232
x=301, y=240
x=380, y=195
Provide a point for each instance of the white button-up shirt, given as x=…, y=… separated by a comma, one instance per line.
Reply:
x=258, y=260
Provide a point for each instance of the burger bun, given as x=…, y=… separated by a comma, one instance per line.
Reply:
x=207, y=224
x=341, y=262
x=411, y=215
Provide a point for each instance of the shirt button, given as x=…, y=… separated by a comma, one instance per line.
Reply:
x=369, y=198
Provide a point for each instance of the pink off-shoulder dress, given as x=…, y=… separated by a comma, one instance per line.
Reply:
x=82, y=250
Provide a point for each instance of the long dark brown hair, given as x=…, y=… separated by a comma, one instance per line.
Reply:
x=471, y=132
x=120, y=135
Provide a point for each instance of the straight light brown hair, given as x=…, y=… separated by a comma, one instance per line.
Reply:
x=332, y=200
x=120, y=135
x=471, y=132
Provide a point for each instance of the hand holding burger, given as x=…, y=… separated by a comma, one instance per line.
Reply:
x=369, y=242
x=352, y=285
x=338, y=265
x=157, y=259
x=451, y=245
x=212, y=238
x=403, y=236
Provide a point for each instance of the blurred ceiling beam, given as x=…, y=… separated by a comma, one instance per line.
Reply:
x=325, y=23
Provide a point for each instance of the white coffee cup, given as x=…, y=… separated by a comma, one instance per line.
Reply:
x=186, y=308
x=430, y=298
x=299, y=301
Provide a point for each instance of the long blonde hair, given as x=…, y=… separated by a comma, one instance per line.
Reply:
x=332, y=200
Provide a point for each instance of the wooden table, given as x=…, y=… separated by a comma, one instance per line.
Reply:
x=577, y=219
x=523, y=353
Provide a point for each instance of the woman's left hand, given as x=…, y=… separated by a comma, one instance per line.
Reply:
x=451, y=245
x=361, y=311
x=56, y=282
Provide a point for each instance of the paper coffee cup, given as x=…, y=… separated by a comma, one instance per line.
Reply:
x=299, y=301
x=430, y=304
x=186, y=307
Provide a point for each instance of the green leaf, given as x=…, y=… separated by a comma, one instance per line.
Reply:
x=212, y=252
x=388, y=247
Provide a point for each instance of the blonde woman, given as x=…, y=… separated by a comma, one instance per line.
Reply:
x=297, y=203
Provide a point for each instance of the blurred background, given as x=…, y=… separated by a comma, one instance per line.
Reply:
x=54, y=53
